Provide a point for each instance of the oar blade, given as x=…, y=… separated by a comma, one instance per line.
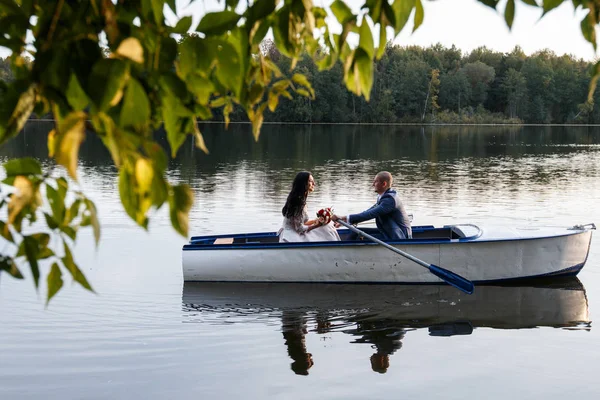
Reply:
x=452, y=279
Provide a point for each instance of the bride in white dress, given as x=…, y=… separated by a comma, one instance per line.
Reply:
x=296, y=225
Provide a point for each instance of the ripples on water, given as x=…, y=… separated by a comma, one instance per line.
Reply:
x=148, y=335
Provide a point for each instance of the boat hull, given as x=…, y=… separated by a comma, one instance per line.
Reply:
x=485, y=259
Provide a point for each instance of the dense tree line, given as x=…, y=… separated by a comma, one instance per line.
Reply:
x=439, y=84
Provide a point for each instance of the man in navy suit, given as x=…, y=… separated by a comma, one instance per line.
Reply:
x=391, y=218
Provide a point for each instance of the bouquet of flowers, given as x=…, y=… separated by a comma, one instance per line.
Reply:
x=324, y=215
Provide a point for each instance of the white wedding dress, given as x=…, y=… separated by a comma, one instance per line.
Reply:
x=294, y=230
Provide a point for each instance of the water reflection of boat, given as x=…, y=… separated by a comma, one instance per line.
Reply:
x=381, y=315
x=560, y=303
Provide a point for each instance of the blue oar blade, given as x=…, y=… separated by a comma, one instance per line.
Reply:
x=452, y=279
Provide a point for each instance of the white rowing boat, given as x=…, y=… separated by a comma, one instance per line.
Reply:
x=477, y=253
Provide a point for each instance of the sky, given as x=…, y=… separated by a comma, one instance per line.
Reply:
x=467, y=24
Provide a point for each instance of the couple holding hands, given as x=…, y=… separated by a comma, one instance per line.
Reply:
x=392, y=220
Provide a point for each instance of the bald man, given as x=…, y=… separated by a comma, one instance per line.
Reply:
x=391, y=218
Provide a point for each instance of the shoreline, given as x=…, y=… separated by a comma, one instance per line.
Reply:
x=365, y=123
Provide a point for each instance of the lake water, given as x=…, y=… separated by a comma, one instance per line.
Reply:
x=147, y=335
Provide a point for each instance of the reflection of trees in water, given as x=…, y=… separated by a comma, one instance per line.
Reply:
x=342, y=155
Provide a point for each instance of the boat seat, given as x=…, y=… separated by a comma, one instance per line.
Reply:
x=438, y=233
x=223, y=241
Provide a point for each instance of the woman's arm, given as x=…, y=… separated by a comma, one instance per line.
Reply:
x=316, y=224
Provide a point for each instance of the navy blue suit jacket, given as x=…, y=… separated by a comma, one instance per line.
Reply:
x=390, y=217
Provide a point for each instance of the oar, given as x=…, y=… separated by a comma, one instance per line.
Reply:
x=447, y=276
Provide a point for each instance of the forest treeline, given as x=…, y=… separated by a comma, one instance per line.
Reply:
x=441, y=85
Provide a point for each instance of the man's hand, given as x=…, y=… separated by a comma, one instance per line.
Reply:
x=335, y=218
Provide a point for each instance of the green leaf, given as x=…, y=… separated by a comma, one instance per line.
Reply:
x=257, y=119
x=75, y=94
x=197, y=56
x=22, y=166
x=382, y=42
x=107, y=79
x=5, y=232
x=174, y=86
x=260, y=31
x=181, y=199
x=131, y=48
x=342, y=12
x=229, y=71
x=51, y=222
x=302, y=80
x=530, y=2
x=57, y=204
x=168, y=54
x=71, y=132
x=160, y=191
x=366, y=38
x=69, y=231
x=388, y=17
x=259, y=10
x=199, y=139
x=201, y=87
x=232, y=4
x=62, y=186
x=129, y=197
x=281, y=32
x=490, y=3
x=158, y=156
x=549, y=5
x=273, y=67
x=256, y=93
x=374, y=7
x=218, y=102
x=303, y=92
x=30, y=249
x=73, y=211
x=93, y=215
x=216, y=23
x=183, y=25
x=364, y=69
x=281, y=85
x=8, y=264
x=595, y=73
x=136, y=106
x=23, y=201
x=54, y=281
x=173, y=124
x=273, y=100
x=76, y=273
x=157, y=10
x=402, y=10
x=21, y=112
x=509, y=13
x=419, y=15
x=588, y=28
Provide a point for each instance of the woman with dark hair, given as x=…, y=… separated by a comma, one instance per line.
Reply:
x=296, y=225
